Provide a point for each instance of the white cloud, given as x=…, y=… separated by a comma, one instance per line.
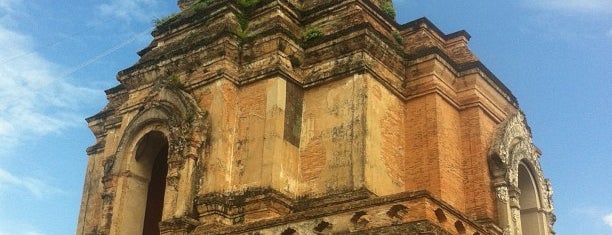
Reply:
x=575, y=6
x=608, y=219
x=8, y=5
x=36, y=99
x=133, y=10
x=609, y=33
x=8, y=9
x=36, y=187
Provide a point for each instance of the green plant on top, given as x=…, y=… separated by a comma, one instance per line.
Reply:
x=243, y=20
x=243, y=35
x=312, y=33
x=161, y=21
x=247, y=3
x=242, y=31
x=199, y=5
x=387, y=8
x=173, y=82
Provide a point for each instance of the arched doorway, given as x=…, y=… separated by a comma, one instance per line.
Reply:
x=523, y=195
x=152, y=157
x=529, y=202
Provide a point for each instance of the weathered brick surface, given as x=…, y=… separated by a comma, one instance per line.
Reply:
x=477, y=129
x=332, y=120
x=269, y=132
x=385, y=159
x=422, y=166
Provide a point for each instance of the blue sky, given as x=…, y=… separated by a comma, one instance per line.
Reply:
x=57, y=57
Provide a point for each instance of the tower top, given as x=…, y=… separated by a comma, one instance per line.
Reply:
x=385, y=5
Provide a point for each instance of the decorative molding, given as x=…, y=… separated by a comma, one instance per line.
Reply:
x=516, y=215
x=511, y=147
x=173, y=112
x=502, y=193
x=175, y=226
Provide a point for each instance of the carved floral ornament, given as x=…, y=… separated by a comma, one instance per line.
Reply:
x=511, y=146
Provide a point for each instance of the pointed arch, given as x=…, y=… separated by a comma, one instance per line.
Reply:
x=524, y=196
x=152, y=155
x=170, y=124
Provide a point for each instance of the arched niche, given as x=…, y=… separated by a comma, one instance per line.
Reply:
x=529, y=201
x=524, y=196
x=151, y=166
x=158, y=150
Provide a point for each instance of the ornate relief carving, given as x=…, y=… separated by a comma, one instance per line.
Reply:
x=502, y=193
x=513, y=142
x=516, y=214
x=548, y=194
x=511, y=146
x=188, y=136
x=175, y=113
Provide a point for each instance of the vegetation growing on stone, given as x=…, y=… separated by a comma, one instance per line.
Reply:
x=174, y=83
x=312, y=33
x=199, y=5
x=161, y=21
x=243, y=20
x=242, y=32
x=387, y=8
x=247, y=3
x=398, y=37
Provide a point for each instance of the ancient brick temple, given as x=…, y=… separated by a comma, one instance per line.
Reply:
x=310, y=117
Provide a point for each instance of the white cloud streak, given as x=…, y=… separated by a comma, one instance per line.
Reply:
x=608, y=219
x=36, y=98
x=36, y=187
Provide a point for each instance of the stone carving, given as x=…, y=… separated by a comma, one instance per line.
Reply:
x=549, y=194
x=514, y=137
x=512, y=146
x=502, y=194
x=516, y=214
x=552, y=218
x=174, y=112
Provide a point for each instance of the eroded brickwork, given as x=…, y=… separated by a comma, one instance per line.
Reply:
x=310, y=117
